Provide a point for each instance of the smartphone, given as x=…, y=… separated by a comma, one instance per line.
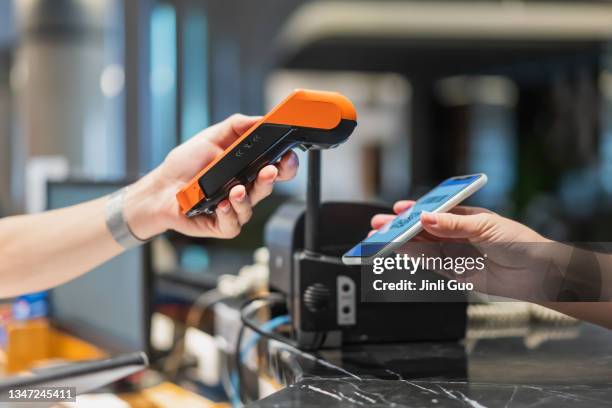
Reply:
x=407, y=224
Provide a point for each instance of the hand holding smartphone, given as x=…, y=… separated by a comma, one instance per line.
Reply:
x=407, y=224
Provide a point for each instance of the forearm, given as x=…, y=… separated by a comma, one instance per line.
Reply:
x=597, y=266
x=599, y=313
x=44, y=250
x=574, y=273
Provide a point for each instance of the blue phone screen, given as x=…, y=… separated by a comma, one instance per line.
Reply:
x=406, y=220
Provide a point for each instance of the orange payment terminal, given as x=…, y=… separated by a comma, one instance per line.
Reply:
x=305, y=119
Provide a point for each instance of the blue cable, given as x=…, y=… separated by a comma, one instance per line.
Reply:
x=268, y=326
x=236, y=403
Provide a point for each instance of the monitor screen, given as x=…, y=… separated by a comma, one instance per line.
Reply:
x=109, y=305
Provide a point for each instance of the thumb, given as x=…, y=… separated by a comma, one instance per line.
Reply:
x=232, y=128
x=448, y=225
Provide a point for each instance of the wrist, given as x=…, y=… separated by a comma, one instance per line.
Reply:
x=143, y=208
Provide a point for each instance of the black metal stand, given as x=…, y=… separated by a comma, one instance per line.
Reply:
x=306, y=247
x=313, y=202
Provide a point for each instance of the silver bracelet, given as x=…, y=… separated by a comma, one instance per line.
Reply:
x=116, y=223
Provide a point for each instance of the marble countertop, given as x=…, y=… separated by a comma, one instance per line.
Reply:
x=554, y=366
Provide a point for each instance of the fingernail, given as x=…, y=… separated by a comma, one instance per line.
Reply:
x=273, y=178
x=429, y=218
x=240, y=197
x=293, y=159
x=224, y=206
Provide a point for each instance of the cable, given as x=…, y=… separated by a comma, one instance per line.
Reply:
x=250, y=278
x=228, y=380
x=268, y=327
x=321, y=341
x=242, y=352
x=194, y=317
x=251, y=324
x=238, y=382
x=249, y=308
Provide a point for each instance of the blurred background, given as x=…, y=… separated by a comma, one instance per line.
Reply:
x=520, y=90
x=95, y=93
